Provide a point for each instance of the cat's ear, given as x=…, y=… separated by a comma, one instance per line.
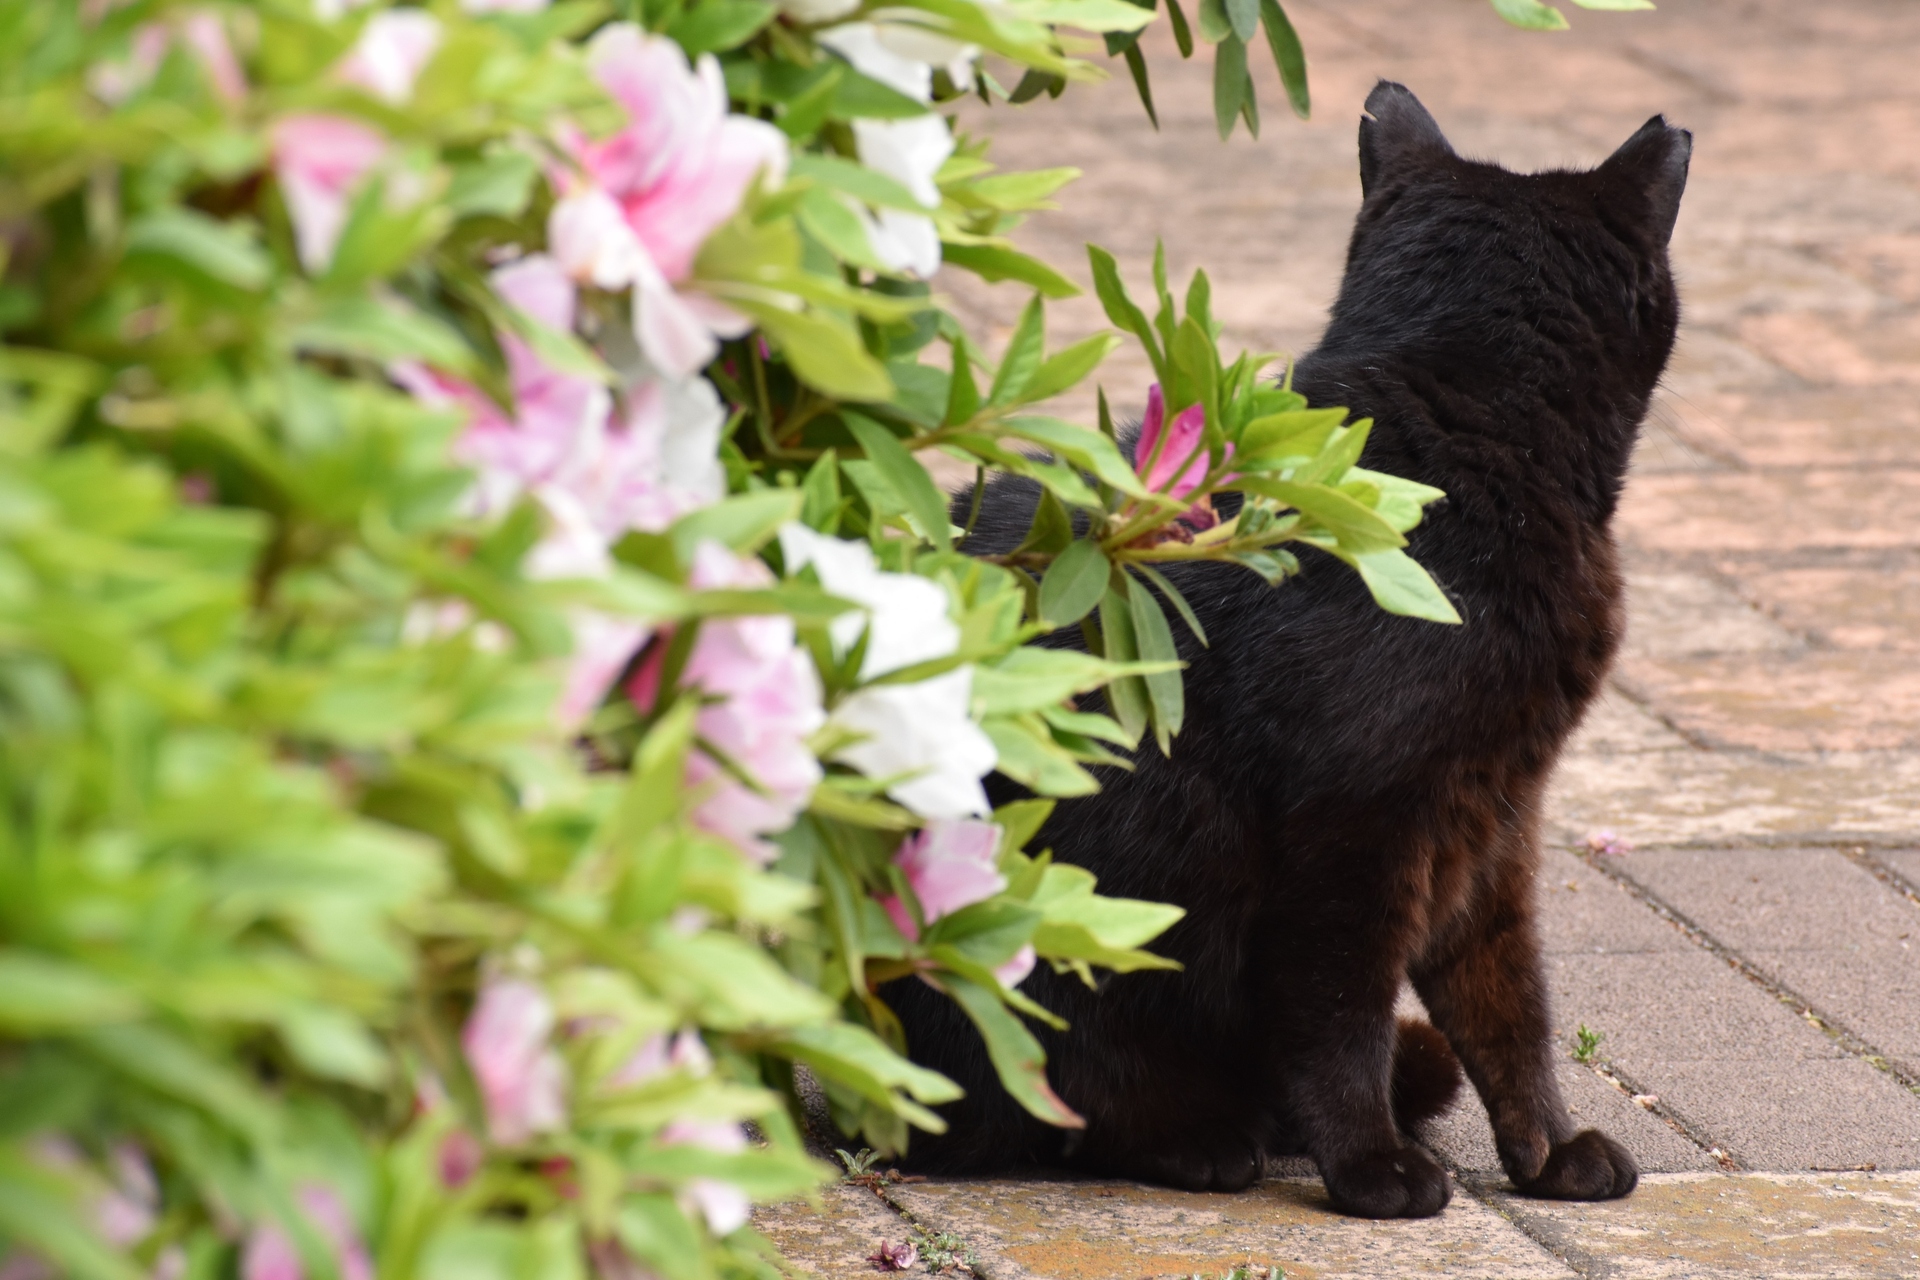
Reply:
x=1652, y=164
x=1400, y=132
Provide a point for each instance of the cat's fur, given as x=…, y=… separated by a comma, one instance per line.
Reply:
x=1355, y=799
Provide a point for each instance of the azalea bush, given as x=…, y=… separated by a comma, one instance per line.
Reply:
x=489, y=688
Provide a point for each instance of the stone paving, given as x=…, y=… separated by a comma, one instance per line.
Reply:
x=1752, y=963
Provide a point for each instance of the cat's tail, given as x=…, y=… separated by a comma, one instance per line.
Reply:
x=1426, y=1075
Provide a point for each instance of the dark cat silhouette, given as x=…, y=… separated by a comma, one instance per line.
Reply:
x=1355, y=800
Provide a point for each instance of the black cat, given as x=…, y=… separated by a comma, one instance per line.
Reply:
x=1355, y=799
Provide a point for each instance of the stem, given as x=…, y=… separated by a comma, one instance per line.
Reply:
x=973, y=509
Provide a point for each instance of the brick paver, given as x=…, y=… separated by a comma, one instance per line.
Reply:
x=1761, y=741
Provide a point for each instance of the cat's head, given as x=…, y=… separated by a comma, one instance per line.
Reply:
x=1442, y=240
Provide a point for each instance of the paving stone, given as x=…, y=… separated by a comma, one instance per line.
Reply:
x=1120, y=1231
x=1464, y=1139
x=1690, y=1226
x=1847, y=607
x=1815, y=921
x=1850, y=426
x=1849, y=700
x=1761, y=510
x=1864, y=348
x=1585, y=913
x=1615, y=723
x=837, y=1239
x=1906, y=863
x=1674, y=614
x=1698, y=797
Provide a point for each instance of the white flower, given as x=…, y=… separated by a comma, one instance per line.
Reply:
x=902, y=241
x=905, y=615
x=909, y=151
x=923, y=730
x=393, y=48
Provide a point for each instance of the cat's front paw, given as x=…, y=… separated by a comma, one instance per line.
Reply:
x=1226, y=1167
x=1399, y=1183
x=1587, y=1166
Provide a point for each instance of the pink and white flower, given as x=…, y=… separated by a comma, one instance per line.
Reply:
x=522, y=1079
x=320, y=161
x=648, y=197
x=392, y=50
x=766, y=703
x=725, y=1206
x=660, y=1053
x=948, y=865
x=270, y=1253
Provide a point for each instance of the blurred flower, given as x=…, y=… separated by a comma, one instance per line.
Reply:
x=204, y=36
x=905, y=616
x=391, y=50
x=334, y=10
x=320, y=159
x=270, y=1253
x=766, y=704
x=660, y=1053
x=1182, y=463
x=949, y=865
x=503, y=6
x=896, y=1257
x=652, y=193
x=724, y=1205
x=522, y=1079
x=460, y=1158
x=923, y=735
x=1606, y=842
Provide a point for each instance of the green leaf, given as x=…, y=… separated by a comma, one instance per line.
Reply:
x=40, y=994
x=1028, y=754
x=37, y=1211
x=382, y=331
x=225, y=251
x=1022, y=356
x=744, y=523
x=1067, y=367
x=1073, y=584
x=1120, y=308
x=1359, y=528
x=1214, y=24
x=1289, y=57
x=1126, y=696
x=1179, y=601
x=1088, y=15
x=838, y=229
x=1244, y=17
x=1051, y=529
x=1531, y=15
x=1089, y=450
x=1166, y=692
x=1182, y=33
x=497, y=186
x=827, y=354
x=1399, y=585
x=1016, y=1055
x=1137, y=68
x=820, y=495
x=856, y=180
x=1229, y=80
x=908, y=478
x=994, y=263
x=718, y=25
x=1032, y=679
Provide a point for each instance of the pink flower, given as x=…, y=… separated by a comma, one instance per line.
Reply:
x=270, y=1253
x=766, y=702
x=1606, y=842
x=1182, y=464
x=650, y=195
x=949, y=864
x=320, y=159
x=392, y=49
x=521, y=1078
x=661, y=1053
x=460, y=1158
x=724, y=1205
